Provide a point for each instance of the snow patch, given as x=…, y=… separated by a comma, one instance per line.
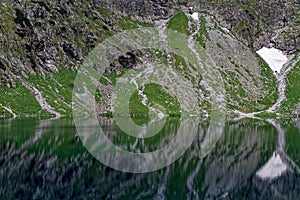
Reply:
x=273, y=168
x=195, y=16
x=274, y=57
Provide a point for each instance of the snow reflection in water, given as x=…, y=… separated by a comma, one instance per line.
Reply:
x=57, y=159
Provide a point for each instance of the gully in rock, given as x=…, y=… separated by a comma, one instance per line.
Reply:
x=280, y=161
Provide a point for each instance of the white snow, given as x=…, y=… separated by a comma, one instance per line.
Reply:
x=274, y=57
x=273, y=168
x=195, y=16
x=225, y=29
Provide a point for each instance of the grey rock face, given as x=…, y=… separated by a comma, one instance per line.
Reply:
x=253, y=22
x=36, y=37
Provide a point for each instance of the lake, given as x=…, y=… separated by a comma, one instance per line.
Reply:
x=247, y=159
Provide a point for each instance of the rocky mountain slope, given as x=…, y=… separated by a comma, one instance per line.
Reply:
x=43, y=43
x=256, y=23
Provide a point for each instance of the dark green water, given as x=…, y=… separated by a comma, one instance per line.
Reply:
x=46, y=159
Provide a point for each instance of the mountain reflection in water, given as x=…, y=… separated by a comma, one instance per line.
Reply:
x=46, y=159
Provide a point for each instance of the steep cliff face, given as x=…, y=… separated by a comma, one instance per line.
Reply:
x=39, y=39
x=256, y=23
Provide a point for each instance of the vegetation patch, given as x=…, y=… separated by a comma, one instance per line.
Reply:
x=203, y=35
x=236, y=94
x=127, y=23
x=266, y=115
x=57, y=89
x=292, y=91
x=157, y=97
x=19, y=100
x=270, y=84
x=179, y=23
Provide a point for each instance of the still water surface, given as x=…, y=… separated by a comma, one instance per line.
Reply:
x=46, y=159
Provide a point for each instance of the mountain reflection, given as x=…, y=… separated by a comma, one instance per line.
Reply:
x=47, y=160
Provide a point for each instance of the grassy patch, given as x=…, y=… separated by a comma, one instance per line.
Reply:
x=182, y=67
x=19, y=100
x=179, y=61
x=236, y=93
x=179, y=23
x=4, y=9
x=113, y=76
x=245, y=100
x=98, y=96
x=270, y=84
x=200, y=40
x=160, y=56
x=127, y=23
x=266, y=115
x=292, y=90
x=156, y=97
x=104, y=12
x=205, y=12
x=57, y=89
x=203, y=30
x=203, y=35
